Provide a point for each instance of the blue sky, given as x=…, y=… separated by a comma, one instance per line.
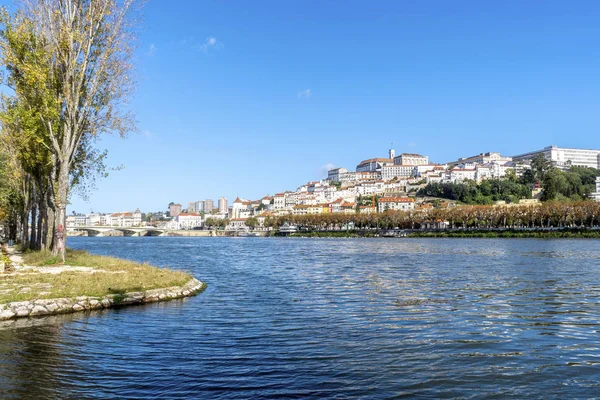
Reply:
x=252, y=98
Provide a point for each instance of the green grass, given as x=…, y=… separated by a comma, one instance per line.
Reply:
x=112, y=276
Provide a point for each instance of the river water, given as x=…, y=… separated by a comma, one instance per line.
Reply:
x=329, y=318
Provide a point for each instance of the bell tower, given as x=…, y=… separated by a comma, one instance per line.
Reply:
x=392, y=152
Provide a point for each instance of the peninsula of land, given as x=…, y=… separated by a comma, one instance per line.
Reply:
x=34, y=284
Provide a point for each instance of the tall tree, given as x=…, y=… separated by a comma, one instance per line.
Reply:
x=78, y=79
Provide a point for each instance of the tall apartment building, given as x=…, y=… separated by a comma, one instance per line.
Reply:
x=223, y=205
x=199, y=206
x=191, y=207
x=174, y=210
x=209, y=206
x=563, y=158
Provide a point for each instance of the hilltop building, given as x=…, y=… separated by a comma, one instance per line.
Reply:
x=411, y=159
x=373, y=164
x=564, y=158
x=482, y=158
x=389, y=172
x=334, y=174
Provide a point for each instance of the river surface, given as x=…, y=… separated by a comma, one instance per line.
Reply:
x=329, y=318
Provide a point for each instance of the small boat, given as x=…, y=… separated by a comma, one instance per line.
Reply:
x=247, y=234
x=287, y=228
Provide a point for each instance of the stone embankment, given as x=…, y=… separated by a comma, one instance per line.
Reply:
x=36, y=308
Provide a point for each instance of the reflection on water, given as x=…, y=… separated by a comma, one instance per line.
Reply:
x=334, y=318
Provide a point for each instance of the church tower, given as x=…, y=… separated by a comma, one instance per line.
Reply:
x=392, y=152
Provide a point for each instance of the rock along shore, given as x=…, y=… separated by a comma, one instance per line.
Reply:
x=38, y=308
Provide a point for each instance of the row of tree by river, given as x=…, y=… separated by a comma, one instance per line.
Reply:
x=554, y=214
x=68, y=78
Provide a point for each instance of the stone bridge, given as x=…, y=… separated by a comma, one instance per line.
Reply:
x=127, y=230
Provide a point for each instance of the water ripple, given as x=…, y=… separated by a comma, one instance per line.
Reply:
x=338, y=319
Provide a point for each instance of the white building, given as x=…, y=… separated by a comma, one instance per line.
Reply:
x=126, y=219
x=373, y=164
x=279, y=201
x=189, y=221
x=93, y=219
x=395, y=203
x=237, y=224
x=351, y=177
x=242, y=208
x=461, y=174
x=334, y=174
x=424, y=169
x=397, y=171
x=564, y=157
x=482, y=158
x=596, y=194
x=483, y=172
x=411, y=159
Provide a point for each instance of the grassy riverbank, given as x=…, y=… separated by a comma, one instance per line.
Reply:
x=38, y=275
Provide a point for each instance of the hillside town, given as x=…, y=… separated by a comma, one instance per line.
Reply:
x=375, y=186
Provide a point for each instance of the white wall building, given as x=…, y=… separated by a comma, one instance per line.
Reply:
x=424, y=168
x=241, y=206
x=397, y=171
x=395, y=203
x=124, y=219
x=411, y=159
x=93, y=219
x=237, y=224
x=482, y=158
x=596, y=194
x=189, y=221
x=373, y=164
x=334, y=174
x=564, y=157
x=461, y=174
x=279, y=201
